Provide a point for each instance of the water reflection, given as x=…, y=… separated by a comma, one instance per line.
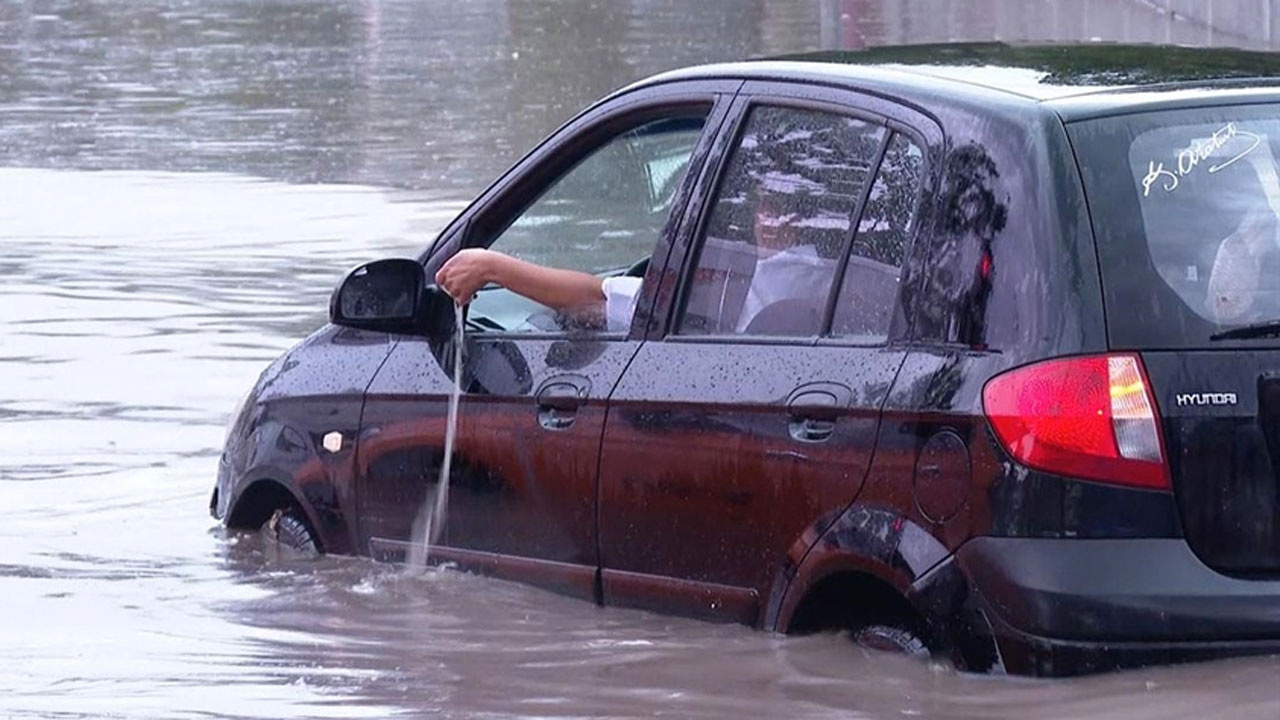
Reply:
x=431, y=94
x=439, y=94
x=156, y=302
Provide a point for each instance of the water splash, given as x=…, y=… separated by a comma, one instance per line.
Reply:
x=430, y=519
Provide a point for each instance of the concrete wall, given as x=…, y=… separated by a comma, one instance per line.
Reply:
x=1238, y=23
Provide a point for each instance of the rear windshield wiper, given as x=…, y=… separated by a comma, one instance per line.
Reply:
x=1267, y=328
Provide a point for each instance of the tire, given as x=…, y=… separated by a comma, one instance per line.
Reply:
x=890, y=638
x=289, y=529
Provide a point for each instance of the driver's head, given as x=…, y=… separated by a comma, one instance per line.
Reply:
x=775, y=217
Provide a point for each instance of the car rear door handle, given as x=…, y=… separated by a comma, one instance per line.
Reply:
x=814, y=409
x=559, y=399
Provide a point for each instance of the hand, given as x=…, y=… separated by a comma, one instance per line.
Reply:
x=466, y=272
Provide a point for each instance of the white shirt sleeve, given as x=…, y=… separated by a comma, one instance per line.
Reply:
x=784, y=275
x=620, y=294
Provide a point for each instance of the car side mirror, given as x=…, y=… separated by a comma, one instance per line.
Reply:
x=392, y=296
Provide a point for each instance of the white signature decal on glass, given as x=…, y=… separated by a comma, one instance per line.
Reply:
x=1199, y=152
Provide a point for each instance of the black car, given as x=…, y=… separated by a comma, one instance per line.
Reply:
x=969, y=350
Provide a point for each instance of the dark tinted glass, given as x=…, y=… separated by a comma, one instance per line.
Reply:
x=869, y=289
x=781, y=220
x=1186, y=211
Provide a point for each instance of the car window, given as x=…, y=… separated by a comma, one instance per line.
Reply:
x=869, y=289
x=1186, y=210
x=603, y=216
x=780, y=222
x=1210, y=240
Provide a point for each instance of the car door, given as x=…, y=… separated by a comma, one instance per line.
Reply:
x=522, y=498
x=749, y=422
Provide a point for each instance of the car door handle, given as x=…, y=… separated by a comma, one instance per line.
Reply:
x=811, y=430
x=561, y=396
x=558, y=401
x=814, y=411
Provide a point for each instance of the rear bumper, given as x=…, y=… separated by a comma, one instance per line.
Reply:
x=1070, y=606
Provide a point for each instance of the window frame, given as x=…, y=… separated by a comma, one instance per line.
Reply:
x=816, y=98
x=827, y=338
x=504, y=201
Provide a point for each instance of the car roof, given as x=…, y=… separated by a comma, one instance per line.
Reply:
x=1074, y=81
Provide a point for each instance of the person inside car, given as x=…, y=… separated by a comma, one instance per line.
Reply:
x=783, y=263
x=571, y=292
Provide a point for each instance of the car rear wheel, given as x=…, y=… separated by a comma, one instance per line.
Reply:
x=890, y=638
x=289, y=528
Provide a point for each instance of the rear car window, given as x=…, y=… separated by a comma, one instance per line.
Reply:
x=781, y=220
x=1186, y=213
x=869, y=288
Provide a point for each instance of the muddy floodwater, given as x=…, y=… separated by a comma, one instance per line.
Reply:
x=181, y=185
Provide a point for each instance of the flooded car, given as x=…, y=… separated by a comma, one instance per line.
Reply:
x=967, y=350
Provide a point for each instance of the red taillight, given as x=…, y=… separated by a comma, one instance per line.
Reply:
x=1086, y=417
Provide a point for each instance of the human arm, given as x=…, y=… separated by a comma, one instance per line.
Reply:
x=473, y=268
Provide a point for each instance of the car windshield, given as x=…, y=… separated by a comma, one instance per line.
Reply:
x=1186, y=211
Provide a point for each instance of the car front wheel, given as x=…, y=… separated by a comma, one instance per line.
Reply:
x=289, y=528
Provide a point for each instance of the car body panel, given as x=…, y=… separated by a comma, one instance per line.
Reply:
x=705, y=458
x=519, y=487
x=316, y=389
x=717, y=440
x=1223, y=457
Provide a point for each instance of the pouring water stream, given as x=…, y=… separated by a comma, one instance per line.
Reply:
x=430, y=519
